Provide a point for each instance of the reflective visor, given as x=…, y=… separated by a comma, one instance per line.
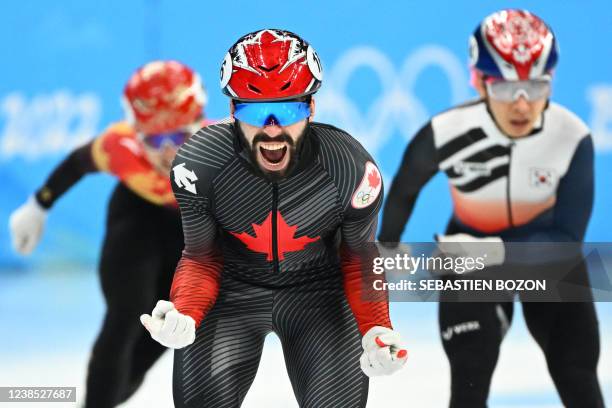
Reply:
x=261, y=114
x=157, y=141
x=510, y=91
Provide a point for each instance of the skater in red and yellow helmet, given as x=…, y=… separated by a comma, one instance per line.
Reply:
x=164, y=103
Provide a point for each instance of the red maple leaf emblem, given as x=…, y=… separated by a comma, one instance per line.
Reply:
x=279, y=49
x=373, y=178
x=262, y=241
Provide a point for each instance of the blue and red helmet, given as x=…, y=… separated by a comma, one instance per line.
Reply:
x=515, y=45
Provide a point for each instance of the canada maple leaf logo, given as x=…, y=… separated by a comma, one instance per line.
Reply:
x=279, y=46
x=262, y=241
x=373, y=178
x=369, y=187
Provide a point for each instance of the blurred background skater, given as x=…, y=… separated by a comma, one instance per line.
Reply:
x=164, y=104
x=520, y=169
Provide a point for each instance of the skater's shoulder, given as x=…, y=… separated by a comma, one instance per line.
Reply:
x=211, y=146
x=117, y=144
x=117, y=132
x=218, y=135
x=338, y=146
x=345, y=160
x=559, y=120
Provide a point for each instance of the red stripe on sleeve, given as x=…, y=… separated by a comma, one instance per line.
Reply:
x=370, y=307
x=195, y=286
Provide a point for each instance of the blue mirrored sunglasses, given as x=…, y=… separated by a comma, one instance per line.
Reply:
x=157, y=141
x=261, y=114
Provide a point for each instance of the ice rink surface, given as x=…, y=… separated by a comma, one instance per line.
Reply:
x=49, y=321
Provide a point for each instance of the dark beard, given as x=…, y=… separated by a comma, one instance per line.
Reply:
x=294, y=149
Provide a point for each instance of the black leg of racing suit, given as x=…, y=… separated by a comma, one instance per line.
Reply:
x=142, y=245
x=472, y=333
x=567, y=333
x=320, y=340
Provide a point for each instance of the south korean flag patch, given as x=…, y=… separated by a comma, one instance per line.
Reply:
x=542, y=178
x=369, y=188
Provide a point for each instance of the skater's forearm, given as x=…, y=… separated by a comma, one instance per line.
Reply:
x=196, y=285
x=65, y=175
x=369, y=306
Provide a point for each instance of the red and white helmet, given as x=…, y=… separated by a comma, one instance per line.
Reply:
x=270, y=65
x=513, y=45
x=162, y=96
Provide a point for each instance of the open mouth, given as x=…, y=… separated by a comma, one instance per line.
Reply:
x=519, y=122
x=273, y=156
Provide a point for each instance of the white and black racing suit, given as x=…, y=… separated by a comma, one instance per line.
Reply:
x=533, y=189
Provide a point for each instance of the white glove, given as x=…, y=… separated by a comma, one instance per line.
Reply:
x=168, y=326
x=491, y=249
x=27, y=224
x=383, y=353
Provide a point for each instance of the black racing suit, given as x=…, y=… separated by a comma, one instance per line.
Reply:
x=287, y=256
x=538, y=188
